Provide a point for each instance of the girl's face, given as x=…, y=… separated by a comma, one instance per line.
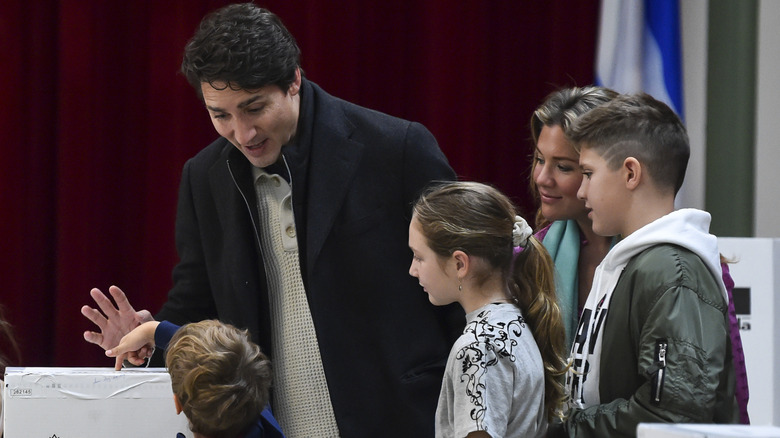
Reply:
x=438, y=277
x=558, y=177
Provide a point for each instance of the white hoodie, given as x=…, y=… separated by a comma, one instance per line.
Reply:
x=688, y=228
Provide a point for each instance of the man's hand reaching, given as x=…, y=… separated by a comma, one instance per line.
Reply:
x=115, y=321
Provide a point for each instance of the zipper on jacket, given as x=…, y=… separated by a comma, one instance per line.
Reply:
x=658, y=379
x=246, y=202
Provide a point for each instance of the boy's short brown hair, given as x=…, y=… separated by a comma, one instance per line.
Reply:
x=220, y=377
x=639, y=126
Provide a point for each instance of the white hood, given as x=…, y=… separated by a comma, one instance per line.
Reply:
x=687, y=227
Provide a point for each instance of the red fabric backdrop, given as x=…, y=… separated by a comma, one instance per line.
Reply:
x=97, y=122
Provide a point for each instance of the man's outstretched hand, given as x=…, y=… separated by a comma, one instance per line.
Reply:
x=115, y=321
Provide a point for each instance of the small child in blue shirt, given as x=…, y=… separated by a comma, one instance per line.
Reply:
x=220, y=378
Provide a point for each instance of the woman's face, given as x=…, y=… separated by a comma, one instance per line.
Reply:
x=558, y=176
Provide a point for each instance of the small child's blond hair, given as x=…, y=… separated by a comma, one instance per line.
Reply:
x=220, y=377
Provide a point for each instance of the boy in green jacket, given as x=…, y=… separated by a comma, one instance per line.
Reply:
x=652, y=344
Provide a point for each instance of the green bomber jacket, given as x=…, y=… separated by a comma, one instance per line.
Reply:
x=666, y=351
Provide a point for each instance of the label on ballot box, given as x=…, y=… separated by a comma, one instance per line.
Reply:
x=90, y=402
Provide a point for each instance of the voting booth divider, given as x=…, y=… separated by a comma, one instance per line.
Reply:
x=755, y=268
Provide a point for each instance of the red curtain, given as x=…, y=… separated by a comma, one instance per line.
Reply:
x=97, y=123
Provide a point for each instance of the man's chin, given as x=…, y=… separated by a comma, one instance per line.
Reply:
x=262, y=161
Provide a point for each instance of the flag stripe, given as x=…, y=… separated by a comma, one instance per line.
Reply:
x=663, y=20
x=639, y=49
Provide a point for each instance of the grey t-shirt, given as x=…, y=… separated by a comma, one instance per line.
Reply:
x=494, y=379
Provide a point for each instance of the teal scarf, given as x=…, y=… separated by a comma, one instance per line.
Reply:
x=563, y=243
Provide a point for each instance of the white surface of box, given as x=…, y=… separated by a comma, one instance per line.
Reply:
x=90, y=402
x=756, y=274
x=656, y=430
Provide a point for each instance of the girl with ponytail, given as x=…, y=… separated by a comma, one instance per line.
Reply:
x=503, y=375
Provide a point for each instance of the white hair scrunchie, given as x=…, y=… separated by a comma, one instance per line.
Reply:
x=521, y=232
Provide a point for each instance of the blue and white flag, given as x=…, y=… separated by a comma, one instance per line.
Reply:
x=639, y=49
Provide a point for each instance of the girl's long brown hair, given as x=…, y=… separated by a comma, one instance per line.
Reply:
x=478, y=220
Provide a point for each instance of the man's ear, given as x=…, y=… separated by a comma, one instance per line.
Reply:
x=178, y=404
x=632, y=172
x=295, y=86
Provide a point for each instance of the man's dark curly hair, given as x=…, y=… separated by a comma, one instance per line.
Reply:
x=244, y=46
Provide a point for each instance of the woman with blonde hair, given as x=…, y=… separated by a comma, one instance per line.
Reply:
x=562, y=219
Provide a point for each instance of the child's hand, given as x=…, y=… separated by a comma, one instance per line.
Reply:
x=135, y=346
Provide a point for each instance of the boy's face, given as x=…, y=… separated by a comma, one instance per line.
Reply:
x=604, y=193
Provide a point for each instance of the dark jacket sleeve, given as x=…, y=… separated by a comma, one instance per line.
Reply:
x=163, y=334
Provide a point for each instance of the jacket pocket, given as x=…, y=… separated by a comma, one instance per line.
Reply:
x=435, y=368
x=658, y=371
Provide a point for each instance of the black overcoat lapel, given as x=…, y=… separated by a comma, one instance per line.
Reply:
x=334, y=161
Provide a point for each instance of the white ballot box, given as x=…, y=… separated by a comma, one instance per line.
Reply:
x=90, y=402
x=656, y=430
x=756, y=274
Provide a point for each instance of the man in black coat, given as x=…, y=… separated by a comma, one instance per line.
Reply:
x=341, y=180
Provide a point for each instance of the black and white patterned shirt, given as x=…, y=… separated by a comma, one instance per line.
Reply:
x=494, y=379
